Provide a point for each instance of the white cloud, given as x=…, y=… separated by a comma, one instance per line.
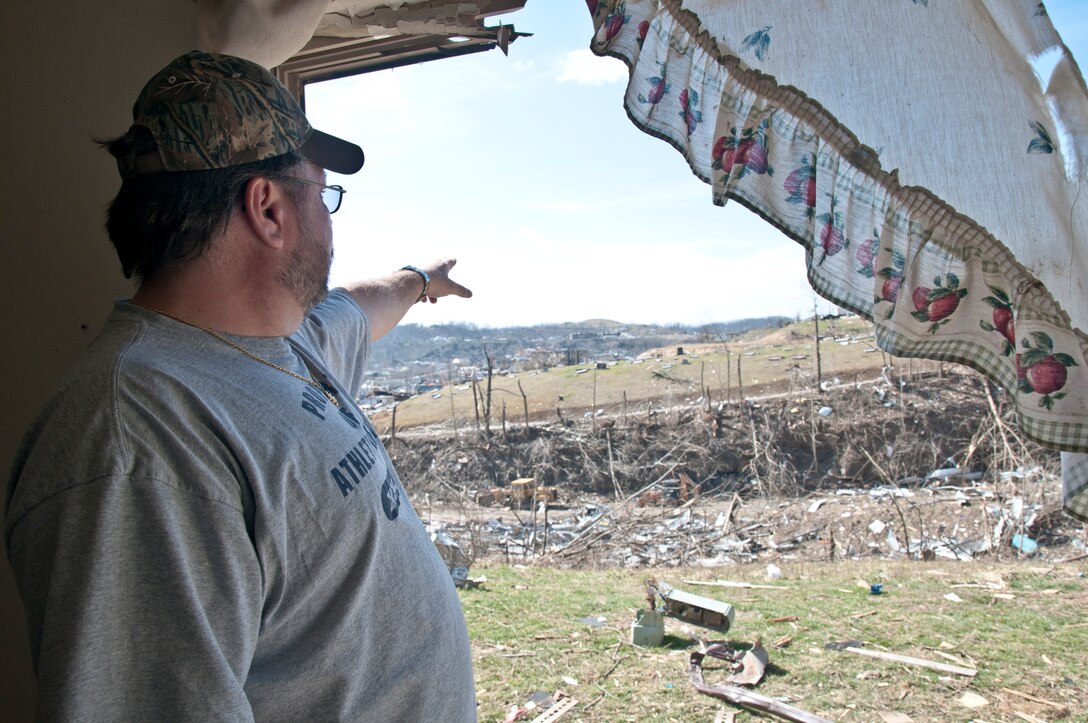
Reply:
x=582, y=66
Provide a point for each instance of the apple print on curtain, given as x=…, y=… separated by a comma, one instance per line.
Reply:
x=884, y=169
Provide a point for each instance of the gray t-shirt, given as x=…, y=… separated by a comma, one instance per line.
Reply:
x=199, y=536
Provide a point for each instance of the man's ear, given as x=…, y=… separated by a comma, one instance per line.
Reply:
x=266, y=207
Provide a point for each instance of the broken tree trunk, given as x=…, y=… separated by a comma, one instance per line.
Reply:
x=453, y=410
x=611, y=466
x=487, y=399
x=476, y=405
x=524, y=403
x=593, y=410
x=740, y=382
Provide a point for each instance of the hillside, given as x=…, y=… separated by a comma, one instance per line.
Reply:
x=684, y=371
x=442, y=343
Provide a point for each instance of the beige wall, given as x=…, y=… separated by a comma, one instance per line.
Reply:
x=71, y=71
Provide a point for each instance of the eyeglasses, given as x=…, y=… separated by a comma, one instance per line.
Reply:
x=331, y=196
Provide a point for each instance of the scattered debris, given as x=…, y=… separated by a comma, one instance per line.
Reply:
x=878, y=500
x=1024, y=544
x=972, y=700
x=747, y=698
x=748, y=668
x=721, y=483
x=730, y=583
x=593, y=621
x=455, y=558
x=953, y=658
x=950, y=472
x=553, y=705
x=523, y=493
x=725, y=716
x=659, y=536
x=844, y=644
x=1028, y=717
x=891, y=717
x=1035, y=699
x=555, y=712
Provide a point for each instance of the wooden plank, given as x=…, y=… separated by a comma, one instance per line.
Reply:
x=730, y=583
x=906, y=659
x=560, y=707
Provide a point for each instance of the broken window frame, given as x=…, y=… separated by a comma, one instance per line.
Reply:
x=326, y=57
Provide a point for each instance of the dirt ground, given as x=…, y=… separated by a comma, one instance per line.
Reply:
x=916, y=469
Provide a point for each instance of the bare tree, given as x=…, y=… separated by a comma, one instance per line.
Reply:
x=490, y=357
x=524, y=403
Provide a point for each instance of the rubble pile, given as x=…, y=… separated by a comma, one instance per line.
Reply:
x=927, y=522
x=932, y=469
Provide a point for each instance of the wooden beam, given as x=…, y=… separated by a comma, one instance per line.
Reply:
x=942, y=667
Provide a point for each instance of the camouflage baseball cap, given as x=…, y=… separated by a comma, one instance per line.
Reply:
x=206, y=111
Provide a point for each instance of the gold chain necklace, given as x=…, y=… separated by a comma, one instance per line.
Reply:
x=309, y=380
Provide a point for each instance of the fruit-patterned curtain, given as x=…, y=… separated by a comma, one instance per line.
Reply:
x=935, y=179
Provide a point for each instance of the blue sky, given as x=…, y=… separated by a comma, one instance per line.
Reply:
x=527, y=170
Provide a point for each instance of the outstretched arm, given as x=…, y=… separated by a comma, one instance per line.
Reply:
x=386, y=300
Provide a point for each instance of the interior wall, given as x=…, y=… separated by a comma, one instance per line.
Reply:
x=71, y=73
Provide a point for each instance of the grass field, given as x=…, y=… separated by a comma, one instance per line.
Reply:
x=536, y=630
x=768, y=362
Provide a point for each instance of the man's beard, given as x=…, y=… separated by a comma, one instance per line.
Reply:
x=307, y=274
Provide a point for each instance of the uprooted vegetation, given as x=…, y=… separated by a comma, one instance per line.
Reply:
x=776, y=447
x=937, y=462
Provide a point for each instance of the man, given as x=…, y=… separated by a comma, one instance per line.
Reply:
x=202, y=523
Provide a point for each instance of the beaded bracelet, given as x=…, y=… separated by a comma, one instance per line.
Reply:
x=426, y=281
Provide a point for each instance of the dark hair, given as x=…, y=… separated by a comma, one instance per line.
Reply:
x=162, y=218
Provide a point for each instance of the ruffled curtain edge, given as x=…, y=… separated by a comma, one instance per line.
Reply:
x=949, y=231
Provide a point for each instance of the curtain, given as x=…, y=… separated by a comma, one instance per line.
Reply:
x=934, y=176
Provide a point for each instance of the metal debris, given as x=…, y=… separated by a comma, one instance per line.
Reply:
x=455, y=558
x=747, y=698
x=693, y=608
x=976, y=518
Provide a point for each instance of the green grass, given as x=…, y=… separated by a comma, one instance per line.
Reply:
x=528, y=631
